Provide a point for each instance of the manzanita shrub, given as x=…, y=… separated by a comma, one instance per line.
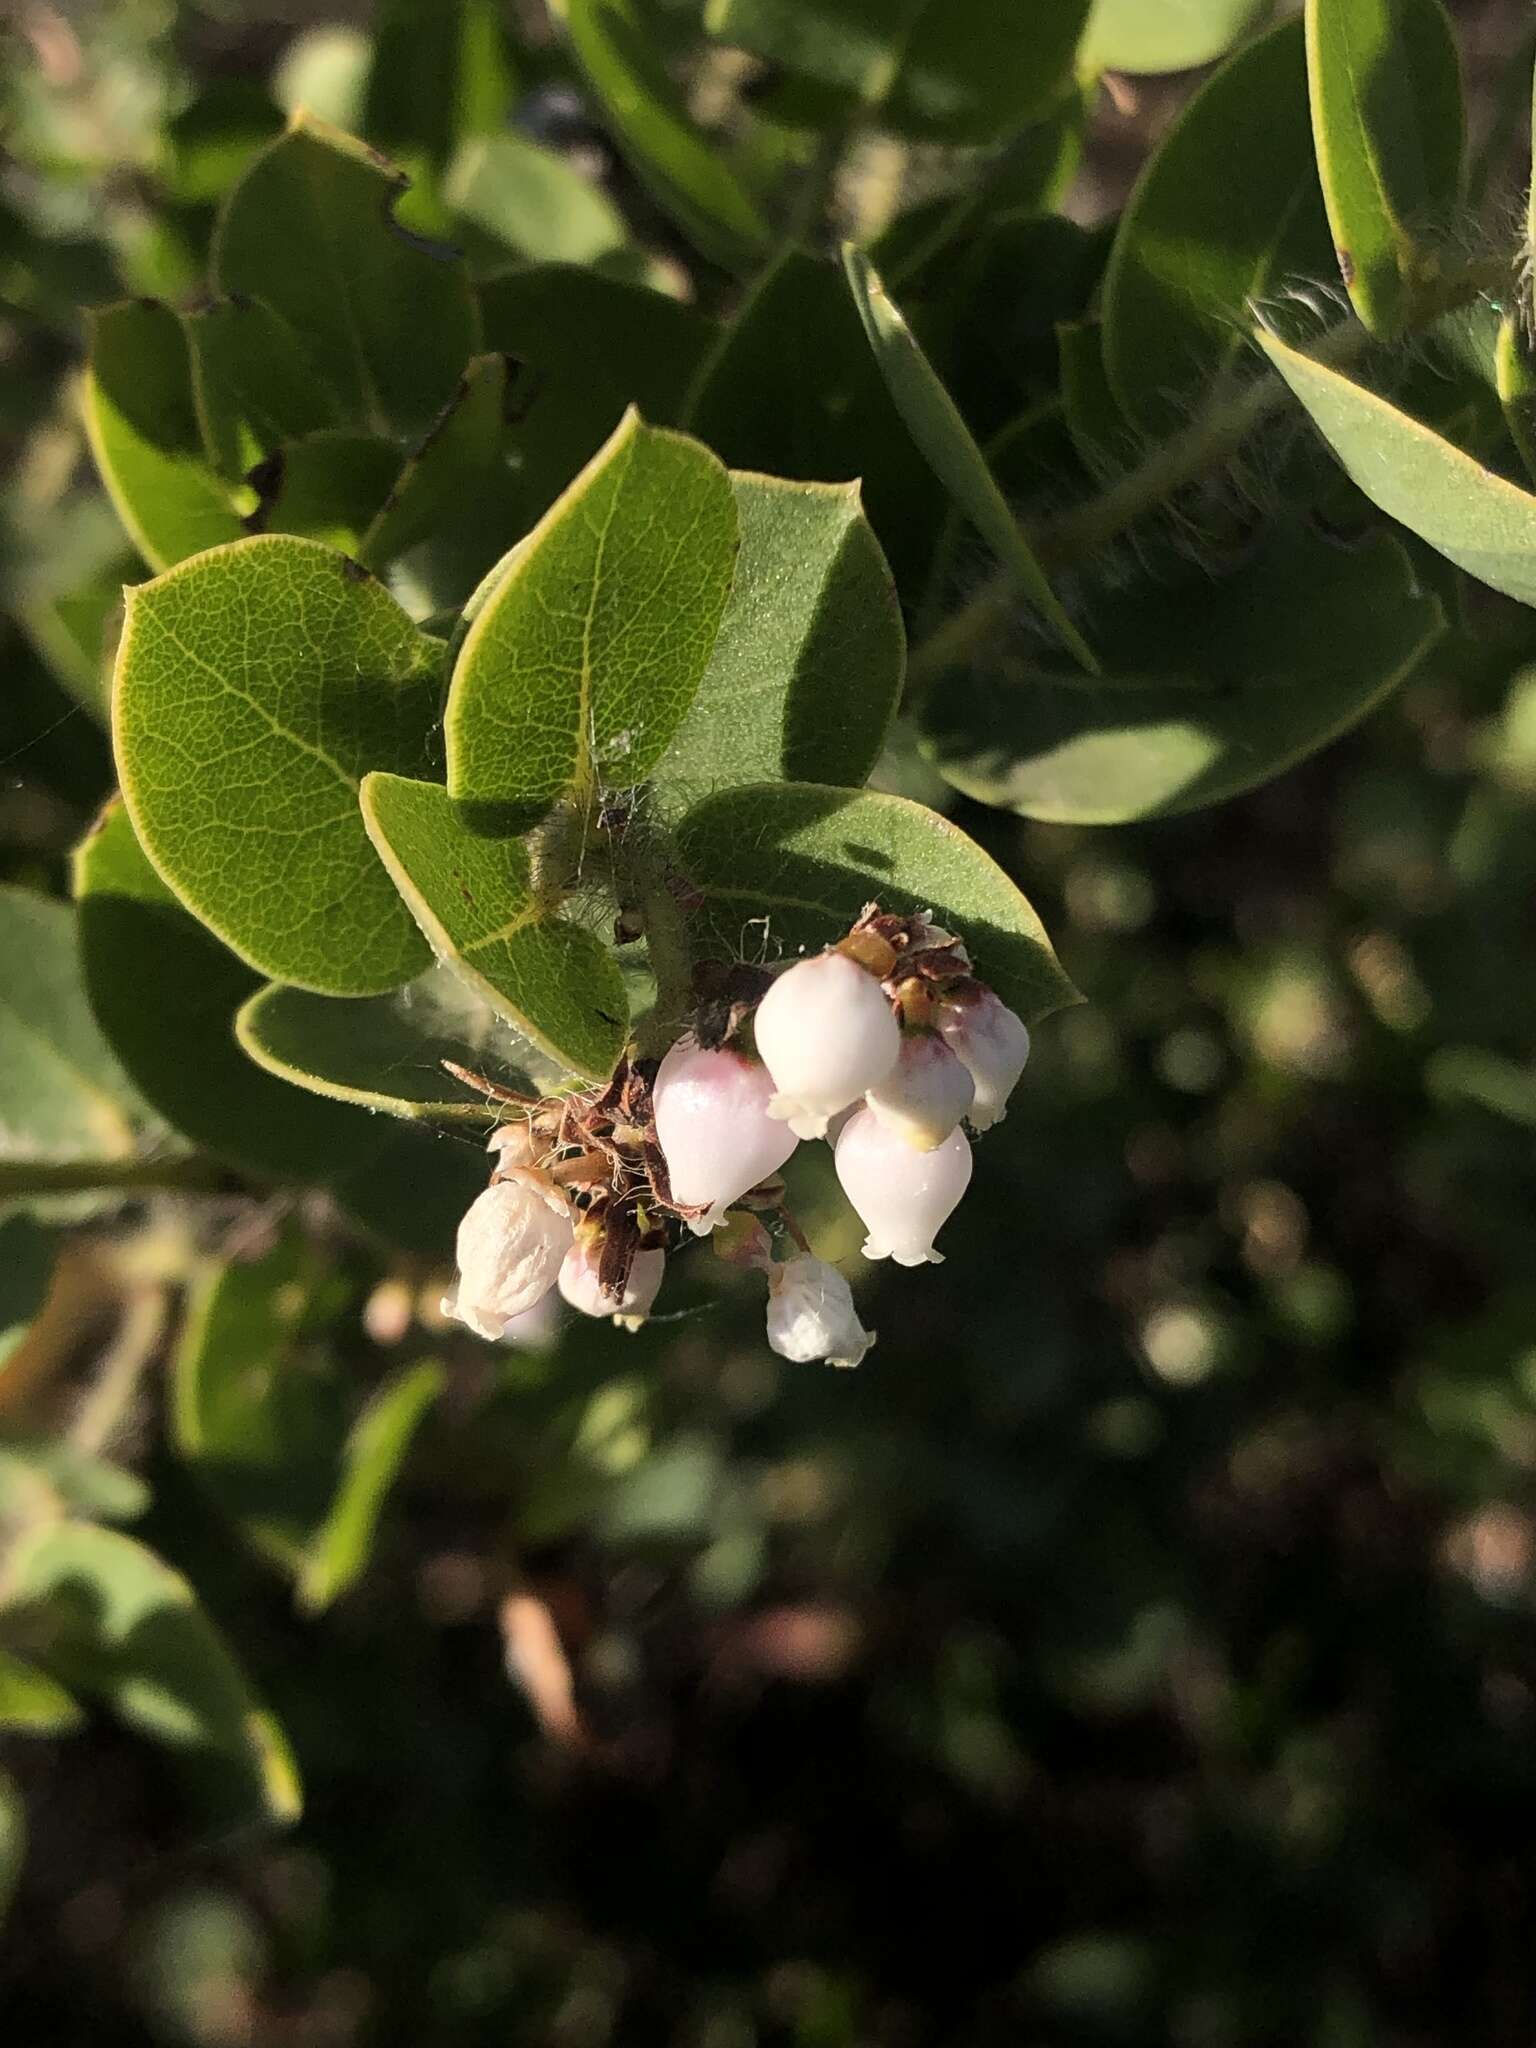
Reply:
x=567, y=612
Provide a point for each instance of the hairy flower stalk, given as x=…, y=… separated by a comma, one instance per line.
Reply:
x=885, y=1044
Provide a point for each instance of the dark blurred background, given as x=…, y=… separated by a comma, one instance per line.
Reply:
x=1140, y=1648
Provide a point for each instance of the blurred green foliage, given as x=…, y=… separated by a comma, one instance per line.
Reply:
x=1140, y=1648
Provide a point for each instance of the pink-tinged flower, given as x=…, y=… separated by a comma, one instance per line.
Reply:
x=925, y=1094
x=811, y=1317
x=713, y=1126
x=903, y=1196
x=582, y=1287
x=510, y=1245
x=826, y=1032
x=991, y=1042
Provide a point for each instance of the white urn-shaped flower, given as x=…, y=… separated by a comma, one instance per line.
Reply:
x=714, y=1129
x=510, y=1244
x=811, y=1317
x=826, y=1032
x=991, y=1043
x=903, y=1196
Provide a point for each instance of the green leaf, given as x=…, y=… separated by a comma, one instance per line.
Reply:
x=591, y=347
x=1209, y=688
x=531, y=202
x=251, y=386
x=807, y=666
x=1468, y=1073
x=783, y=866
x=375, y=1451
x=448, y=467
x=387, y=1052
x=386, y=320
x=26, y=1269
x=943, y=70
x=1029, y=180
x=939, y=430
x=256, y=1408
x=474, y=899
x=619, y=59
x=13, y=1840
x=255, y=685
x=1474, y=517
x=165, y=992
x=1515, y=370
x=114, y=1620
x=1194, y=250
x=329, y=487
x=1173, y=35
x=47, y=1477
x=63, y=1095
x=582, y=663
x=438, y=73
x=32, y=1703
x=1389, y=128
x=413, y=1194
x=144, y=434
x=1105, y=441
x=793, y=390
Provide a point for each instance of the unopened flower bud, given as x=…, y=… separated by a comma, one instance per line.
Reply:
x=826, y=1033
x=510, y=1245
x=925, y=1094
x=581, y=1283
x=991, y=1042
x=811, y=1316
x=713, y=1126
x=903, y=1196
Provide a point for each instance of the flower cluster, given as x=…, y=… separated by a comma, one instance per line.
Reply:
x=885, y=1045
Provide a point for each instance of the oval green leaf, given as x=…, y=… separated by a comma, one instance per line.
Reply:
x=1476, y=518
x=63, y=1094
x=386, y=321
x=375, y=1450
x=937, y=427
x=591, y=346
x=807, y=666
x=114, y=1620
x=1195, y=249
x=1390, y=128
x=165, y=992
x=251, y=384
x=143, y=429
x=32, y=1703
x=255, y=685
x=793, y=390
x=474, y=900
x=531, y=202
x=582, y=663
x=1171, y=35
x=1209, y=690
x=618, y=57
x=785, y=866
x=387, y=1052
x=256, y=1405
x=449, y=466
